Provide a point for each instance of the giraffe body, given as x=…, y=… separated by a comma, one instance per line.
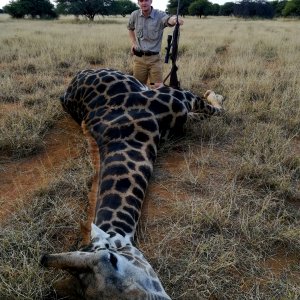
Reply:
x=128, y=121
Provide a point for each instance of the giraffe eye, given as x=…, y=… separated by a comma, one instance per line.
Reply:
x=113, y=260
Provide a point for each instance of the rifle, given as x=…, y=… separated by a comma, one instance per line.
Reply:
x=172, y=52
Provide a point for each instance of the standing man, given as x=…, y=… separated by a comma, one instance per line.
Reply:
x=146, y=27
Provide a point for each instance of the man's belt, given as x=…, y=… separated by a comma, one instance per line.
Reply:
x=140, y=53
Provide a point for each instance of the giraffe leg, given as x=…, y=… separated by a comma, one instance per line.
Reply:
x=194, y=116
x=92, y=196
x=215, y=102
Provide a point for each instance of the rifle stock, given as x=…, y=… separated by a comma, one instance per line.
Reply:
x=168, y=48
x=174, y=82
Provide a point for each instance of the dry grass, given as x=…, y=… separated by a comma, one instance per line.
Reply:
x=229, y=222
x=49, y=223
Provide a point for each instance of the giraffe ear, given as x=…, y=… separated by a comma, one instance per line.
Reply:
x=69, y=260
x=97, y=232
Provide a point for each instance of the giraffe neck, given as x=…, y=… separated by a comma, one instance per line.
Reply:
x=124, y=177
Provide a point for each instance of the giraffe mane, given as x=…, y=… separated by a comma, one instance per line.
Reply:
x=92, y=195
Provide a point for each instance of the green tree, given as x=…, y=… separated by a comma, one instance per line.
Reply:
x=227, y=9
x=15, y=9
x=87, y=8
x=254, y=8
x=215, y=9
x=183, y=9
x=201, y=8
x=34, y=8
x=292, y=8
x=62, y=9
x=123, y=7
x=278, y=7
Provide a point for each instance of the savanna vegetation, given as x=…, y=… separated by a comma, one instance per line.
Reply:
x=221, y=218
x=243, y=8
x=44, y=9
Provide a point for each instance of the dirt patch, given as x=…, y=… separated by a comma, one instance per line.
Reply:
x=279, y=262
x=21, y=178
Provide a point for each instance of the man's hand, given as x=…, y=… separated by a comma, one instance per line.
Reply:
x=132, y=39
x=172, y=21
x=132, y=49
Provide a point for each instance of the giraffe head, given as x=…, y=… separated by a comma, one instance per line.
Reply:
x=110, y=268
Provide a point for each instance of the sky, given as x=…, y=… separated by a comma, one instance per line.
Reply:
x=159, y=4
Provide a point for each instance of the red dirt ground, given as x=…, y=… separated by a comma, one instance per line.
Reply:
x=21, y=178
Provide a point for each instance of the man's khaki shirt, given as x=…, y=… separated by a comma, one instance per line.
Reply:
x=148, y=31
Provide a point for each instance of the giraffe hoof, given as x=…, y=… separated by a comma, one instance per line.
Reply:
x=214, y=99
x=44, y=261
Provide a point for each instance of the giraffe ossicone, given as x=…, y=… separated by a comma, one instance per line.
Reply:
x=128, y=121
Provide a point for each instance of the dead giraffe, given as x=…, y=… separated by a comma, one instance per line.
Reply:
x=127, y=121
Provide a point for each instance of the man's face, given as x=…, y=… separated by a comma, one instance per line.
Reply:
x=145, y=5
